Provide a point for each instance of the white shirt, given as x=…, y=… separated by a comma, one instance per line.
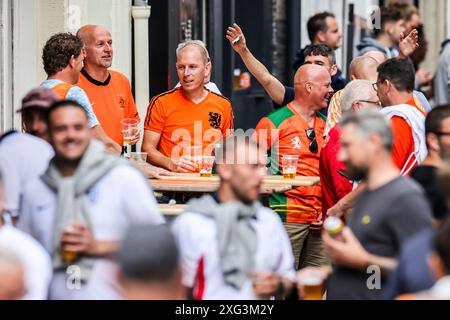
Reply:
x=23, y=157
x=34, y=258
x=197, y=239
x=120, y=198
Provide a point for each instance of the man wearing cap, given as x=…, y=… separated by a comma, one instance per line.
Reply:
x=24, y=156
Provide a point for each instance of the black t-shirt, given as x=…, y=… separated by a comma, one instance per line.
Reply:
x=426, y=176
x=381, y=220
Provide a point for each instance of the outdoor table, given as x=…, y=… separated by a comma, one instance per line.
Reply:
x=192, y=182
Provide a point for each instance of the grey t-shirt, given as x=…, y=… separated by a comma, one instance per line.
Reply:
x=442, y=78
x=382, y=220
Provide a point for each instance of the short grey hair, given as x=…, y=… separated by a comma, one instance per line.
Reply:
x=369, y=122
x=198, y=43
x=354, y=91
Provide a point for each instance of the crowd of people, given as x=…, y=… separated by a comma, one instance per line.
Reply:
x=78, y=221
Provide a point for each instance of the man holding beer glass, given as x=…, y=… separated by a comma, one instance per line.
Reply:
x=79, y=209
x=294, y=137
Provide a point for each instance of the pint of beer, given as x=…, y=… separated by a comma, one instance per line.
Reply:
x=312, y=287
x=289, y=166
x=68, y=256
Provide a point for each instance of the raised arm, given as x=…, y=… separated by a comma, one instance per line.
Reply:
x=271, y=85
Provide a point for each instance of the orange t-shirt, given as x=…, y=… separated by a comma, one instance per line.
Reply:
x=183, y=123
x=285, y=134
x=111, y=101
x=403, y=146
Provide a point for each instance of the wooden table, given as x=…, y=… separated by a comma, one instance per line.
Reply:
x=172, y=209
x=194, y=183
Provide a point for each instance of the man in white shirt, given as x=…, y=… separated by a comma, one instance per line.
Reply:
x=24, y=156
x=231, y=247
x=37, y=267
x=81, y=207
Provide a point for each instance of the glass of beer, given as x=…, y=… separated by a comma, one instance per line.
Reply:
x=289, y=166
x=129, y=130
x=312, y=286
x=68, y=256
x=206, y=166
x=194, y=153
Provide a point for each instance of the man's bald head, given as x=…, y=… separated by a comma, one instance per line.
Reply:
x=379, y=56
x=364, y=68
x=98, y=44
x=313, y=86
x=310, y=72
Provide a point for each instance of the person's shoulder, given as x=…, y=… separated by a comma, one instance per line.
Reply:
x=277, y=117
x=166, y=96
x=220, y=98
x=116, y=75
x=195, y=222
x=408, y=184
x=22, y=239
x=25, y=140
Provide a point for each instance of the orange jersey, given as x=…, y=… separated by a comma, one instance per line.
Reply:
x=183, y=123
x=111, y=101
x=283, y=132
x=403, y=151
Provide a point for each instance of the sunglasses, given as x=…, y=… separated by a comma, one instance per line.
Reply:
x=313, y=146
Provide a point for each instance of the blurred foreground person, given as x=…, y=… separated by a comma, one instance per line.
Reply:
x=35, y=261
x=12, y=277
x=390, y=210
x=231, y=247
x=25, y=156
x=149, y=265
x=80, y=208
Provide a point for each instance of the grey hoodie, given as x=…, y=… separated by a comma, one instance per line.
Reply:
x=370, y=44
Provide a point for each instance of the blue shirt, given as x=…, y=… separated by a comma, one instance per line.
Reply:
x=412, y=273
x=76, y=94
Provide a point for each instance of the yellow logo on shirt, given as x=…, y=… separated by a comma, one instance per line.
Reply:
x=365, y=219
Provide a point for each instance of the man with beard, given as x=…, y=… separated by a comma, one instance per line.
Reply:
x=231, y=247
x=79, y=209
x=297, y=129
x=391, y=209
x=25, y=156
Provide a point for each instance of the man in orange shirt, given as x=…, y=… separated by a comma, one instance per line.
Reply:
x=395, y=87
x=109, y=91
x=187, y=116
x=297, y=129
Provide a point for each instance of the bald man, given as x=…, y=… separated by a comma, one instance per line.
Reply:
x=109, y=91
x=361, y=68
x=297, y=129
x=379, y=56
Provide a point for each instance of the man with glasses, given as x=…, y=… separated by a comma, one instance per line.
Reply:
x=395, y=87
x=357, y=95
x=297, y=129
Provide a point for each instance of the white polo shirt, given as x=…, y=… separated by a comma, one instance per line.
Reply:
x=197, y=239
x=120, y=198
x=34, y=258
x=23, y=157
